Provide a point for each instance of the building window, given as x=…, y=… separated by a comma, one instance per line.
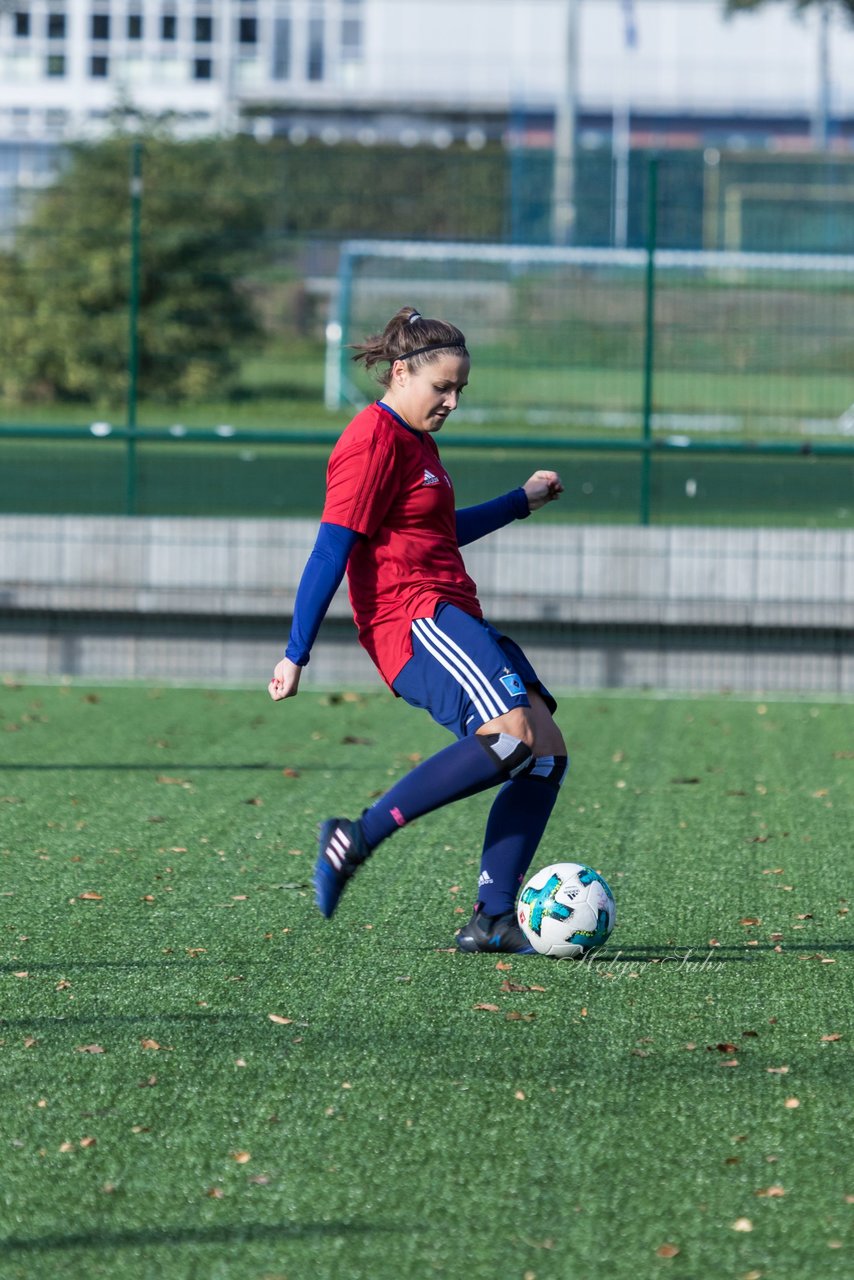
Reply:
x=202, y=69
x=351, y=31
x=351, y=40
x=100, y=26
x=56, y=64
x=56, y=26
x=134, y=26
x=55, y=121
x=22, y=23
x=168, y=26
x=99, y=66
x=203, y=29
x=314, y=67
x=281, y=49
x=247, y=30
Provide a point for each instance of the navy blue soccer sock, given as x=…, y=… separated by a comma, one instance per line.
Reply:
x=463, y=769
x=514, y=829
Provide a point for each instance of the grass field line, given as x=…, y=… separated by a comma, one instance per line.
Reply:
x=365, y=689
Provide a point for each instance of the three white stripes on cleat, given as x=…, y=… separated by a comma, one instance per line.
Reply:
x=336, y=850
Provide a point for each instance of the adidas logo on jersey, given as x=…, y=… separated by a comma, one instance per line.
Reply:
x=429, y=478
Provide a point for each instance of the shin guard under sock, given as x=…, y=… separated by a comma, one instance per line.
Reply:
x=514, y=829
x=463, y=769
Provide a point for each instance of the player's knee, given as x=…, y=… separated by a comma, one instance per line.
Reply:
x=511, y=755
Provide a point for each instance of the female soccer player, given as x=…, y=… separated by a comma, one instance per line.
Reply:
x=389, y=520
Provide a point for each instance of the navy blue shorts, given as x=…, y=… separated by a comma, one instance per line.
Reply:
x=465, y=672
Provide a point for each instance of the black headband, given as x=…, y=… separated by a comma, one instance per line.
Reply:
x=431, y=346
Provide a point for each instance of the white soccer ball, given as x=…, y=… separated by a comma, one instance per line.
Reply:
x=566, y=909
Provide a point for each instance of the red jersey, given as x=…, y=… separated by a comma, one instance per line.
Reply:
x=386, y=481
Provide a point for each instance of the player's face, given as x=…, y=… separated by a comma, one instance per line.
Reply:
x=425, y=396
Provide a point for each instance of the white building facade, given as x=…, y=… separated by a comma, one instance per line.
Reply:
x=357, y=66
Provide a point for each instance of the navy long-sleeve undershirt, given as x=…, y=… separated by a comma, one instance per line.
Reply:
x=325, y=567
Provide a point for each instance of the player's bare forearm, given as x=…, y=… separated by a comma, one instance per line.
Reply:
x=543, y=487
x=285, y=681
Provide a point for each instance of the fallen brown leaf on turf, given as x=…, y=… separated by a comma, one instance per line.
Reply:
x=834, y=1035
x=152, y=1044
x=729, y=1062
x=279, y=1020
x=774, y=1192
x=90, y=897
x=778, y=1071
x=792, y=1104
x=242, y=1157
x=742, y=1224
x=89, y=1048
x=88, y=1142
x=667, y=1251
x=487, y=1008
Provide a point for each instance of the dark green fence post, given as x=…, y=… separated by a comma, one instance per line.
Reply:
x=133, y=325
x=649, y=340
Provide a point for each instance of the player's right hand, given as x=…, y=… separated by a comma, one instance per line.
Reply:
x=285, y=681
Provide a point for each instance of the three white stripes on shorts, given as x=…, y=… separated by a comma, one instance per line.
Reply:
x=458, y=663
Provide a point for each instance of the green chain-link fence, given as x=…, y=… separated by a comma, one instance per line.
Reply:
x=165, y=309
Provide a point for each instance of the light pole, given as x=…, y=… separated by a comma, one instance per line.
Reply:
x=566, y=110
x=621, y=144
x=821, y=118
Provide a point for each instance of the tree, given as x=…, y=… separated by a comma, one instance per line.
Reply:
x=738, y=6
x=65, y=285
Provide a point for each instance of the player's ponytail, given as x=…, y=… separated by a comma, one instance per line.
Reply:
x=412, y=337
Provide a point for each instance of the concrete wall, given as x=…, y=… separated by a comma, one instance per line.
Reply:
x=595, y=606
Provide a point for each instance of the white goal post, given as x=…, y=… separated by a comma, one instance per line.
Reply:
x=755, y=343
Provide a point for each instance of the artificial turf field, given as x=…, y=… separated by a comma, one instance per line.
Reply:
x=203, y=1078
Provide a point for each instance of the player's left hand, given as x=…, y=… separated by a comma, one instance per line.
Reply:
x=543, y=487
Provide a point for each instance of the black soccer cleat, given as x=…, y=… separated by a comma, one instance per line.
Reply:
x=342, y=851
x=494, y=933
